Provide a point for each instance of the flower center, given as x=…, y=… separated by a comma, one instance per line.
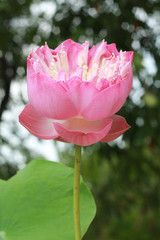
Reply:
x=106, y=68
x=59, y=63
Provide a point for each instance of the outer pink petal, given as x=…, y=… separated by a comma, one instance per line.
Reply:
x=107, y=102
x=119, y=126
x=83, y=134
x=129, y=79
x=36, y=124
x=81, y=93
x=48, y=96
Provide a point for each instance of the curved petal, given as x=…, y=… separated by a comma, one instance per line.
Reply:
x=81, y=93
x=96, y=53
x=44, y=53
x=119, y=126
x=107, y=102
x=77, y=56
x=34, y=66
x=129, y=80
x=82, y=132
x=64, y=45
x=91, y=53
x=36, y=124
x=112, y=48
x=129, y=56
x=49, y=97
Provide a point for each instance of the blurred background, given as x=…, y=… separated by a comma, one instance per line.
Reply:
x=124, y=176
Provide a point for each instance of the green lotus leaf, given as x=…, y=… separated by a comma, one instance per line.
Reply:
x=37, y=203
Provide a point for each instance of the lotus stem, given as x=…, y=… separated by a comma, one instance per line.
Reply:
x=76, y=192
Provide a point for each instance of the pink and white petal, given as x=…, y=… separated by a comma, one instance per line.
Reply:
x=64, y=46
x=49, y=97
x=129, y=79
x=102, y=84
x=61, y=76
x=41, y=58
x=85, y=126
x=81, y=93
x=112, y=48
x=119, y=126
x=45, y=54
x=91, y=53
x=107, y=102
x=83, y=135
x=95, y=54
x=77, y=56
x=37, y=124
x=128, y=56
x=33, y=66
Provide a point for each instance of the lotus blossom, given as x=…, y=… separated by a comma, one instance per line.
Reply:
x=74, y=92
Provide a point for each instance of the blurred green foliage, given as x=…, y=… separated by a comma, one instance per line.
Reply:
x=124, y=176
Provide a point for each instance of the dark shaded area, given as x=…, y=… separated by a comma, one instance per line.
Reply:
x=124, y=176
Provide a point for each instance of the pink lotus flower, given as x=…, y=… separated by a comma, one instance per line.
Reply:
x=74, y=92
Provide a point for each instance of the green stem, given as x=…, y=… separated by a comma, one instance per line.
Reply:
x=76, y=192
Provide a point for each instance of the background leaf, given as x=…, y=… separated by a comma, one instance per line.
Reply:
x=37, y=203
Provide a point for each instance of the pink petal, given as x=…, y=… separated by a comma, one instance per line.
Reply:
x=129, y=56
x=91, y=54
x=119, y=126
x=129, y=80
x=112, y=48
x=41, y=58
x=96, y=53
x=64, y=45
x=33, y=66
x=36, y=124
x=102, y=84
x=82, y=132
x=77, y=56
x=127, y=70
x=45, y=54
x=81, y=93
x=61, y=76
x=48, y=96
x=109, y=101
x=104, y=49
